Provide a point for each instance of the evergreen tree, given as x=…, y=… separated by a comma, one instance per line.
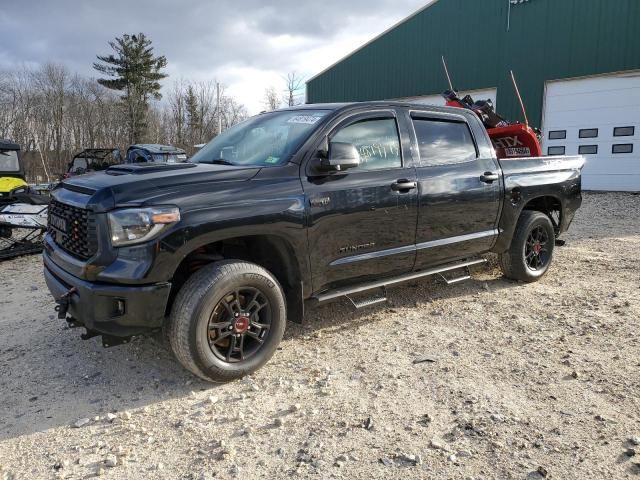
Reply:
x=136, y=71
x=194, y=122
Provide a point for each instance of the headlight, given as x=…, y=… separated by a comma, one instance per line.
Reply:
x=19, y=190
x=137, y=225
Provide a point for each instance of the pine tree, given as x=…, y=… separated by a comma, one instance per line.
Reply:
x=194, y=122
x=135, y=71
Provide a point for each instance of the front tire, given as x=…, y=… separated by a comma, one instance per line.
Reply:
x=227, y=320
x=531, y=250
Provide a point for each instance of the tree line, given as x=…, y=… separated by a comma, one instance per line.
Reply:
x=53, y=113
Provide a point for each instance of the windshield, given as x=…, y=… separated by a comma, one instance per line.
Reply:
x=88, y=164
x=89, y=161
x=267, y=139
x=79, y=164
x=9, y=161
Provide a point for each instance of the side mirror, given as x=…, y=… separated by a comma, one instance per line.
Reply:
x=341, y=156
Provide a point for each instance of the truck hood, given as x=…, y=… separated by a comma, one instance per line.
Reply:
x=146, y=184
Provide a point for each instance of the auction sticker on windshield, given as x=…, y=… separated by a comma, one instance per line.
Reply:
x=304, y=119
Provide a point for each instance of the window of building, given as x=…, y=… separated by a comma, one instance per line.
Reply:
x=622, y=148
x=588, y=133
x=443, y=142
x=588, y=149
x=624, y=131
x=557, y=134
x=376, y=140
x=559, y=150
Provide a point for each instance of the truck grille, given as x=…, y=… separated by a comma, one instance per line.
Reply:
x=73, y=229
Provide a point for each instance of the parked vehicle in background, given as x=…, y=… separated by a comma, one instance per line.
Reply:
x=12, y=178
x=296, y=207
x=154, y=153
x=93, y=160
x=23, y=211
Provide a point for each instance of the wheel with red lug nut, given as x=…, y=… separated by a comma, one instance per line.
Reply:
x=531, y=251
x=227, y=320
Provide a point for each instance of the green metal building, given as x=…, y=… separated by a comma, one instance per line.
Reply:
x=577, y=63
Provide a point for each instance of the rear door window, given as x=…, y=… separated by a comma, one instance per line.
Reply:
x=443, y=142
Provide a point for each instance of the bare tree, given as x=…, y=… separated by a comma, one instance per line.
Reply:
x=271, y=99
x=193, y=114
x=177, y=105
x=295, y=86
x=233, y=112
x=207, y=111
x=53, y=114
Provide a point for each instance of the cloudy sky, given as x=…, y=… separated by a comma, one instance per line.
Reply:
x=248, y=45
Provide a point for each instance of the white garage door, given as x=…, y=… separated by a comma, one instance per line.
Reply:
x=598, y=117
x=486, y=94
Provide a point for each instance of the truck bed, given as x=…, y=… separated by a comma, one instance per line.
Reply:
x=555, y=181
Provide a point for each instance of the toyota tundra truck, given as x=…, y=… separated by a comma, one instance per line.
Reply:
x=290, y=209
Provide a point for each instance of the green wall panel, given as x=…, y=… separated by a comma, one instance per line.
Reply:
x=547, y=40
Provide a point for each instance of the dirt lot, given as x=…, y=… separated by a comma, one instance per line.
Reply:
x=523, y=381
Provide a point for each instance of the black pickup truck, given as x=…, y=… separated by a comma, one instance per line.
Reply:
x=290, y=208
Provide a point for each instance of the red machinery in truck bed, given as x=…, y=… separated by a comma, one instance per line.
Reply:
x=510, y=140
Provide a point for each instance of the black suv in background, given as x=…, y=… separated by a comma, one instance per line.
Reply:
x=154, y=153
x=291, y=208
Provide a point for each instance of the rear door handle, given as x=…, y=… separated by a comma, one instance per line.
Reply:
x=403, y=185
x=489, y=177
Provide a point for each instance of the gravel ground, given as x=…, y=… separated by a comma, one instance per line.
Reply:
x=514, y=381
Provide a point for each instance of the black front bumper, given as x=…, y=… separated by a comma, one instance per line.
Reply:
x=114, y=310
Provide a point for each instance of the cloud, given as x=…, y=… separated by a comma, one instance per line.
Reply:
x=246, y=44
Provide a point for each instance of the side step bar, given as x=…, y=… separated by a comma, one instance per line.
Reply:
x=345, y=292
x=367, y=303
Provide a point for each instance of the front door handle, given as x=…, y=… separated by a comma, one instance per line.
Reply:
x=403, y=186
x=489, y=177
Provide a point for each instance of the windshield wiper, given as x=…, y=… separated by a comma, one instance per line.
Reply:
x=219, y=161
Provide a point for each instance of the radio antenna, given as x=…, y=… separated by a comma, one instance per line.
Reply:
x=524, y=111
x=446, y=72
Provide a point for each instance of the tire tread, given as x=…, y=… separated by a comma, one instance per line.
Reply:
x=511, y=262
x=186, y=306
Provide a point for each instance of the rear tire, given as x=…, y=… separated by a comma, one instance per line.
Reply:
x=531, y=251
x=227, y=320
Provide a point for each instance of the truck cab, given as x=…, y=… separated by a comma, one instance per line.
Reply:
x=290, y=209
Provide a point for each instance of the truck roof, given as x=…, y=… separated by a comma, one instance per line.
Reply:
x=373, y=103
x=8, y=145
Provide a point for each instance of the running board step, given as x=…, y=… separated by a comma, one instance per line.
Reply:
x=369, y=302
x=345, y=292
x=466, y=275
x=453, y=281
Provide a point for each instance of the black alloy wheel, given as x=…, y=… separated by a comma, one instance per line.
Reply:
x=536, y=251
x=239, y=324
x=227, y=320
x=531, y=251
